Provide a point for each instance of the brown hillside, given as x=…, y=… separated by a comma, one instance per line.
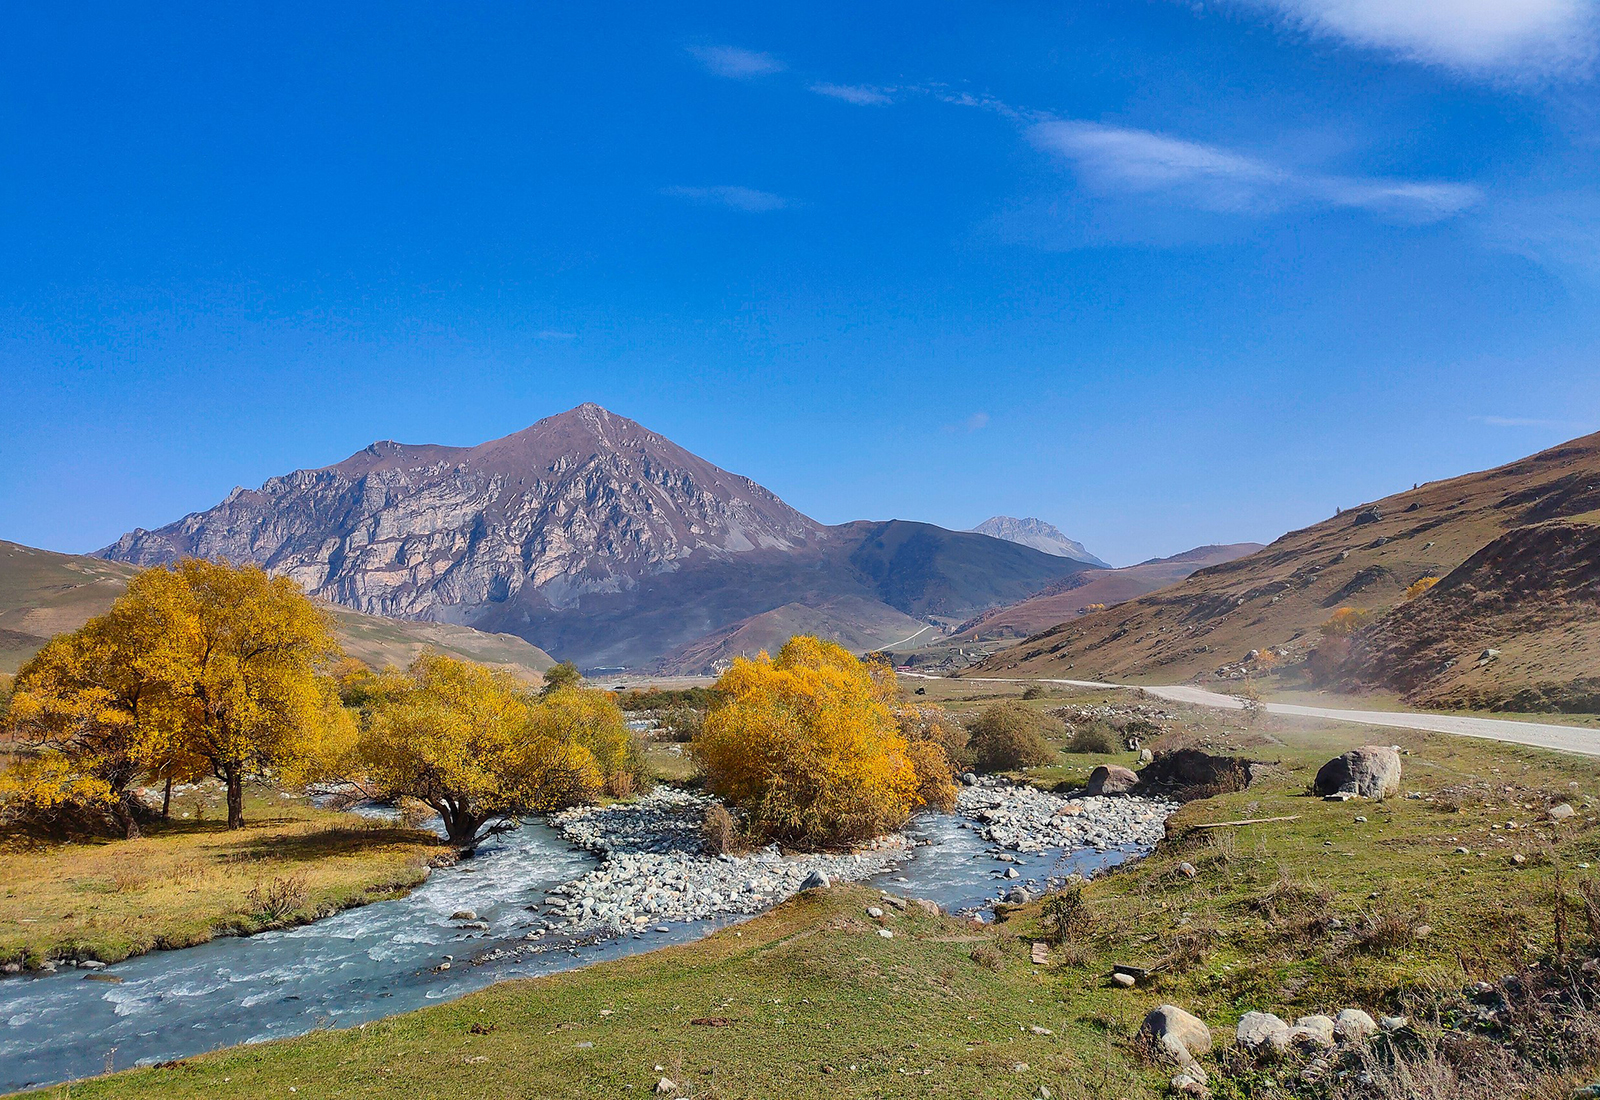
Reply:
x=43, y=593
x=1515, y=627
x=1077, y=593
x=1364, y=558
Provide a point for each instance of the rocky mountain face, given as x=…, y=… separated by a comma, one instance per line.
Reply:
x=1515, y=547
x=587, y=534
x=1038, y=534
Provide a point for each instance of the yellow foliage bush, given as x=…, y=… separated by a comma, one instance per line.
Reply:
x=809, y=747
x=1421, y=587
x=1345, y=622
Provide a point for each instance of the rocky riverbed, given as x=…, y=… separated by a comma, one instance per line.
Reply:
x=653, y=870
x=1026, y=819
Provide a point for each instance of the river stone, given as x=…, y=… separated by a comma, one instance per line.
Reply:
x=1372, y=771
x=816, y=880
x=464, y=914
x=1262, y=1033
x=1352, y=1025
x=929, y=908
x=1181, y=1035
x=1111, y=779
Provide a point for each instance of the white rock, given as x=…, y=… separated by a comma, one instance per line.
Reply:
x=1262, y=1032
x=1353, y=1025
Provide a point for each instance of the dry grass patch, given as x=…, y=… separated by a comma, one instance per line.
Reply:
x=191, y=879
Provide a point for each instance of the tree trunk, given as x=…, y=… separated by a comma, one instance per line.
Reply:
x=166, y=801
x=462, y=828
x=123, y=812
x=235, y=800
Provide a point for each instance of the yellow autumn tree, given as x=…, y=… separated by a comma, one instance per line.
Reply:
x=93, y=718
x=481, y=751
x=238, y=653
x=198, y=668
x=809, y=748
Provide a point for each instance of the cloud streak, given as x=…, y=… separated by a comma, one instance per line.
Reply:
x=859, y=94
x=745, y=199
x=1504, y=38
x=1123, y=161
x=735, y=62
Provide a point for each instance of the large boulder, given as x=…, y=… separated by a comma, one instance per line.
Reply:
x=1181, y=1036
x=1112, y=779
x=1372, y=771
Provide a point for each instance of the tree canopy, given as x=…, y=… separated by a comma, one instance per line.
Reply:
x=199, y=667
x=480, y=750
x=808, y=746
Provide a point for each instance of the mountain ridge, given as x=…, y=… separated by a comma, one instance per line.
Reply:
x=1038, y=534
x=1517, y=579
x=586, y=534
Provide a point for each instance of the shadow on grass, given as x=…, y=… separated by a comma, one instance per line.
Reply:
x=331, y=842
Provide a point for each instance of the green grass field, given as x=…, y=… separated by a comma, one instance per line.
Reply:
x=1313, y=914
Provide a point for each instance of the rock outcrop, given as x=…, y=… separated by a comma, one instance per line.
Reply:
x=589, y=535
x=1372, y=771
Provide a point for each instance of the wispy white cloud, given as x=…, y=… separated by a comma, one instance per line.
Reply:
x=859, y=94
x=1122, y=161
x=1531, y=422
x=736, y=62
x=746, y=199
x=974, y=423
x=1559, y=231
x=555, y=334
x=1502, y=38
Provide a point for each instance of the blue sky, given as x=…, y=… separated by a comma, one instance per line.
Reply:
x=1160, y=272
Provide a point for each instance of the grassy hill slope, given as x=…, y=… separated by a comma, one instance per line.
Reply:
x=1363, y=558
x=1078, y=593
x=43, y=593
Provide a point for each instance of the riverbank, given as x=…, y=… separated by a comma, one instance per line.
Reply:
x=190, y=879
x=1386, y=907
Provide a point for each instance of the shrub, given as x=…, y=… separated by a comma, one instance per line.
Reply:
x=682, y=723
x=988, y=956
x=1420, y=588
x=1008, y=736
x=807, y=746
x=1093, y=736
x=1032, y=692
x=1065, y=915
x=1345, y=622
x=930, y=722
x=280, y=897
x=719, y=832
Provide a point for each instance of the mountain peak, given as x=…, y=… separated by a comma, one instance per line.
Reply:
x=1038, y=534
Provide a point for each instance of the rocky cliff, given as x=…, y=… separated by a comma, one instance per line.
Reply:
x=587, y=534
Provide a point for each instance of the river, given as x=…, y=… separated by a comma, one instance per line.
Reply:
x=384, y=958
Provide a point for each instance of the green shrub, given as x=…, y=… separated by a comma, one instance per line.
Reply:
x=1008, y=736
x=1093, y=736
